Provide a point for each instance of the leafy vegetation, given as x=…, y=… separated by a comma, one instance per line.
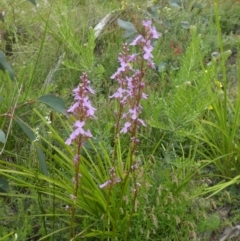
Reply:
x=159, y=157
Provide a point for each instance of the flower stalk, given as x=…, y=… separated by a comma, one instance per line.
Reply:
x=130, y=77
x=82, y=110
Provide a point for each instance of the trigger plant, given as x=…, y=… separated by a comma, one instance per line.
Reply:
x=130, y=77
x=82, y=110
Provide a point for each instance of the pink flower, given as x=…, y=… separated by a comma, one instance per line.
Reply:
x=79, y=129
x=137, y=40
x=88, y=133
x=133, y=113
x=73, y=108
x=68, y=141
x=126, y=127
x=79, y=124
x=144, y=96
x=147, y=23
x=105, y=184
x=110, y=182
x=154, y=33
x=141, y=122
x=147, y=52
x=119, y=93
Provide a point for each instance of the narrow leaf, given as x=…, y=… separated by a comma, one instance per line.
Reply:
x=54, y=102
x=26, y=128
x=3, y=185
x=129, y=33
x=2, y=137
x=42, y=161
x=4, y=66
x=4, y=238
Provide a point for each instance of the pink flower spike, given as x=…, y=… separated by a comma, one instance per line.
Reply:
x=82, y=110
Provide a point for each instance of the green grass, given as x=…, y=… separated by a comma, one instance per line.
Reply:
x=189, y=149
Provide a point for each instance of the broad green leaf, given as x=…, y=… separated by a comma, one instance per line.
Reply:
x=175, y=3
x=54, y=102
x=4, y=66
x=2, y=137
x=3, y=185
x=26, y=128
x=33, y=2
x=129, y=33
x=126, y=25
x=42, y=161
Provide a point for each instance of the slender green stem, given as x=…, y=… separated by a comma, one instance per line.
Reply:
x=135, y=193
x=196, y=46
x=222, y=61
x=39, y=53
x=76, y=187
x=53, y=208
x=116, y=133
x=107, y=210
x=42, y=210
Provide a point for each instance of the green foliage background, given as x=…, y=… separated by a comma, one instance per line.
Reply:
x=189, y=150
